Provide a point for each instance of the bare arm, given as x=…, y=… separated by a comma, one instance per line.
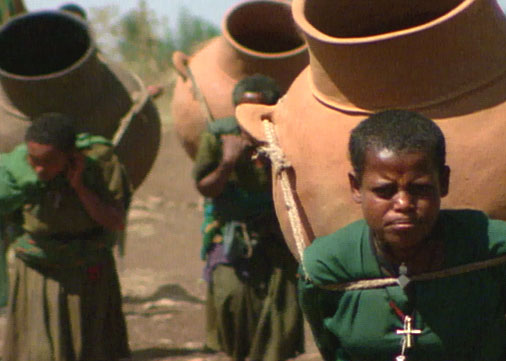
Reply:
x=110, y=216
x=214, y=183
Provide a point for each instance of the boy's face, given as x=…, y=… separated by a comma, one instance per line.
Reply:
x=46, y=160
x=400, y=195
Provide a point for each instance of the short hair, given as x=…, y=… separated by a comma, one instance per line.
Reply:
x=74, y=9
x=260, y=84
x=53, y=129
x=398, y=131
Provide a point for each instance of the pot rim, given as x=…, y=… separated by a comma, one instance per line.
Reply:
x=251, y=52
x=77, y=64
x=309, y=29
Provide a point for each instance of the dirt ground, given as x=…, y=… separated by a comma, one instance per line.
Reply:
x=163, y=293
x=160, y=273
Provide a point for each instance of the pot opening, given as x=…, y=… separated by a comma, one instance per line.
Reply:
x=362, y=18
x=42, y=43
x=263, y=26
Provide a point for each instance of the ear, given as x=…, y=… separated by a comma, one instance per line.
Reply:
x=250, y=118
x=355, y=187
x=444, y=181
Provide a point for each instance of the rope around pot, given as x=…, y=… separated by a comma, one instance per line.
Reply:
x=280, y=165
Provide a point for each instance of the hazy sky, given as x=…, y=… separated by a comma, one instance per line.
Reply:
x=211, y=10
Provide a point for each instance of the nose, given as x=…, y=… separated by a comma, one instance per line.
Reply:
x=403, y=201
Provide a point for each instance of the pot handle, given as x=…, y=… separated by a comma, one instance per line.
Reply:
x=180, y=62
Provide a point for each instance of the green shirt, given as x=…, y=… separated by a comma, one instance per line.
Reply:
x=53, y=220
x=461, y=317
x=248, y=191
x=246, y=198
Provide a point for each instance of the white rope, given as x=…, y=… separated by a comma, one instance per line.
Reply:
x=280, y=165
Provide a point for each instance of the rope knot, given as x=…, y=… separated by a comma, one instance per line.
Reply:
x=277, y=157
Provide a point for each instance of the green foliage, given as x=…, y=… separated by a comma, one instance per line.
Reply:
x=145, y=41
x=192, y=30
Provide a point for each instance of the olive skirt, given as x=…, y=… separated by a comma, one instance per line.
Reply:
x=65, y=315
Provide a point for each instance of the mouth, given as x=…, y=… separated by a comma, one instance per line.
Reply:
x=402, y=224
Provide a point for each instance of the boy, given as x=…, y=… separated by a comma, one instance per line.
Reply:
x=372, y=291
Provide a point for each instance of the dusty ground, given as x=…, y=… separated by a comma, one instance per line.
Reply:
x=160, y=273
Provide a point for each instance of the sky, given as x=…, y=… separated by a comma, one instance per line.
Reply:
x=211, y=10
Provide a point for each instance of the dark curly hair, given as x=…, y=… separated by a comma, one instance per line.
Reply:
x=260, y=84
x=53, y=129
x=399, y=131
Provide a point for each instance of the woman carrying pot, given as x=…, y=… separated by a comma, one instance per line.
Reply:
x=252, y=309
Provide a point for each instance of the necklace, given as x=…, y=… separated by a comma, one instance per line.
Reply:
x=408, y=332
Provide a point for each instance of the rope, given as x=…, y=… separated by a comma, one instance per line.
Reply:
x=204, y=106
x=280, y=165
x=385, y=282
x=139, y=100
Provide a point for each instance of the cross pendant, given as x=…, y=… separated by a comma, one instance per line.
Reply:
x=408, y=332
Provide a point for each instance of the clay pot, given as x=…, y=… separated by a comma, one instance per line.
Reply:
x=257, y=37
x=49, y=63
x=445, y=59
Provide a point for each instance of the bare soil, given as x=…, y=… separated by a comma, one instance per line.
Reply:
x=161, y=272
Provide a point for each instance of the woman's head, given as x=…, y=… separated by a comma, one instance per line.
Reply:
x=258, y=88
x=399, y=175
x=50, y=140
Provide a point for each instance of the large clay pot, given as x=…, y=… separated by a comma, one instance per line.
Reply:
x=49, y=63
x=257, y=37
x=445, y=59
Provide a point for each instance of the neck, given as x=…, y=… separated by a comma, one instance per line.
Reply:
x=425, y=256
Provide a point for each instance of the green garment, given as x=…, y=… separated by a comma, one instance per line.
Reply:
x=258, y=316
x=461, y=317
x=65, y=302
x=65, y=316
x=247, y=196
x=52, y=211
x=252, y=308
x=7, y=9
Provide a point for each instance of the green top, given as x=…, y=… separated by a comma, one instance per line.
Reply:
x=247, y=196
x=7, y=10
x=248, y=191
x=53, y=220
x=461, y=317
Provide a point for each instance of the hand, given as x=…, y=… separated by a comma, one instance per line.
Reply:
x=233, y=147
x=75, y=169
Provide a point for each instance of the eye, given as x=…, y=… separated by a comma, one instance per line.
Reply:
x=421, y=190
x=385, y=192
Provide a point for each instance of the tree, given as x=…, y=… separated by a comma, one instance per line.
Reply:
x=145, y=41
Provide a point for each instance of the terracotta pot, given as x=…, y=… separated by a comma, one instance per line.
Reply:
x=51, y=64
x=258, y=37
x=445, y=59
